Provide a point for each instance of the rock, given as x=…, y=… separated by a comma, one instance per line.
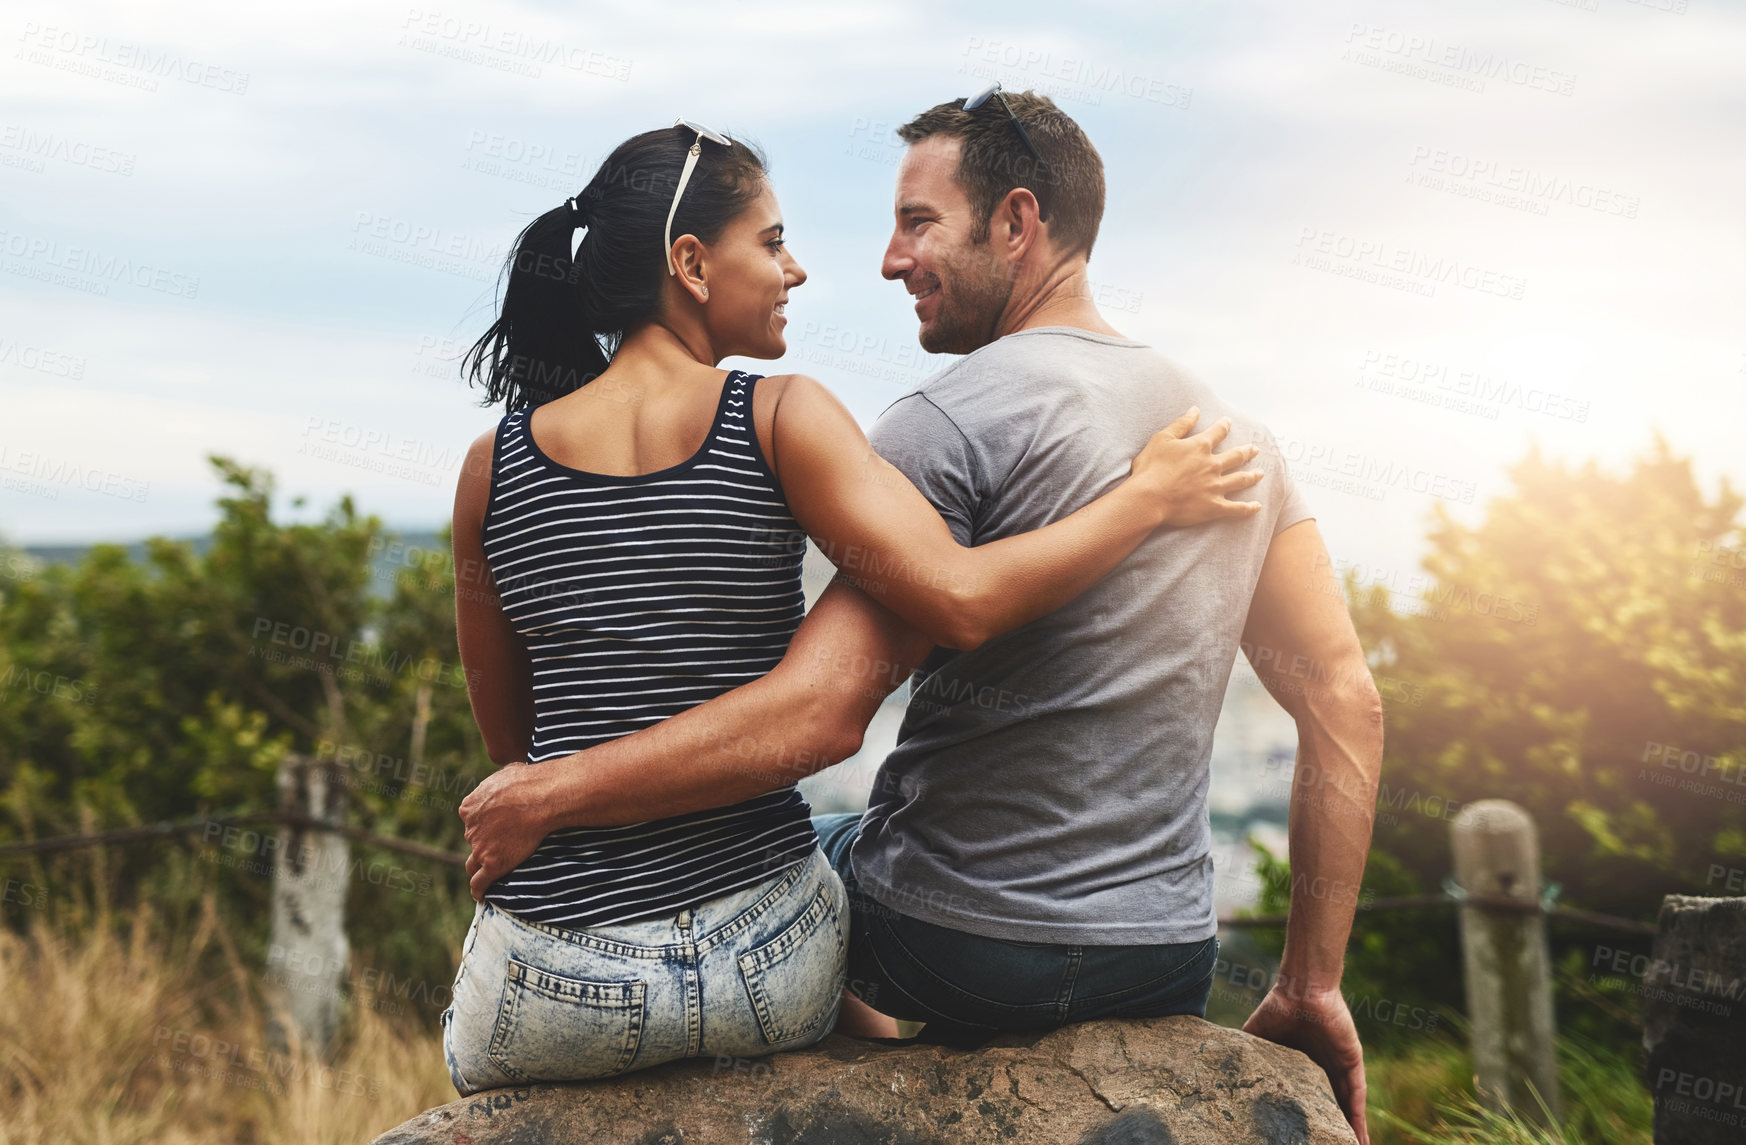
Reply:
x=1157, y=1081
x=1694, y=1021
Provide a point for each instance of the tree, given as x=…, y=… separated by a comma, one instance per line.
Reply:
x=171, y=688
x=1581, y=651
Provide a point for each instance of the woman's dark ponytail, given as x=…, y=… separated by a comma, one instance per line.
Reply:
x=538, y=349
x=562, y=319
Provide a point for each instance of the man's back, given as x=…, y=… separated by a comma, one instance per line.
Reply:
x=1050, y=785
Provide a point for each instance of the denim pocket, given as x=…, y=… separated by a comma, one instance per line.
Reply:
x=794, y=979
x=553, y=1028
x=1182, y=989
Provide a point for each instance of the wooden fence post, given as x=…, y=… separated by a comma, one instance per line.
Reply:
x=308, y=959
x=1503, y=954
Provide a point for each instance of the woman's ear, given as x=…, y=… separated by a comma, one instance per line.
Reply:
x=688, y=257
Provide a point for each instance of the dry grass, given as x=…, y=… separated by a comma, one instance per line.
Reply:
x=112, y=1035
x=131, y=1032
x=1411, y=1086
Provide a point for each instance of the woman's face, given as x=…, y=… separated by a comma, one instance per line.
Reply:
x=749, y=273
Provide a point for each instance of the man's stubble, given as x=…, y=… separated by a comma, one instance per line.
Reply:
x=973, y=296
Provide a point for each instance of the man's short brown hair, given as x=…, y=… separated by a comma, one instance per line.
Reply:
x=993, y=160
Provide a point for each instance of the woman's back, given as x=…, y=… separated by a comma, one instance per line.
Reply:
x=638, y=597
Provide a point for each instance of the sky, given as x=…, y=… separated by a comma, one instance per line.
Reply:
x=1416, y=239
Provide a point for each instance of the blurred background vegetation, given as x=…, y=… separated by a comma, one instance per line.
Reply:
x=1555, y=651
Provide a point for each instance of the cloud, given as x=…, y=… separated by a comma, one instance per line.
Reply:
x=343, y=215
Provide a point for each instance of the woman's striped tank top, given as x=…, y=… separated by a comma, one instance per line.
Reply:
x=639, y=597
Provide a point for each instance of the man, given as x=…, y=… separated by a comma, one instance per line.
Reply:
x=1036, y=849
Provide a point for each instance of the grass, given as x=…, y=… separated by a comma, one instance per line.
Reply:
x=129, y=1031
x=114, y=1036
x=1426, y=1097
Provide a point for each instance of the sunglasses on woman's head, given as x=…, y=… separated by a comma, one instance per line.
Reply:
x=691, y=158
x=980, y=98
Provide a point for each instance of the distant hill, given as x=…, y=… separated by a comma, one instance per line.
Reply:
x=382, y=564
x=73, y=554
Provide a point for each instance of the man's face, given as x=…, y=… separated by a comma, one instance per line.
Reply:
x=960, y=287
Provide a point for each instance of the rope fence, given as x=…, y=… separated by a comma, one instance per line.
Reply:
x=165, y=830
x=168, y=830
x=1499, y=903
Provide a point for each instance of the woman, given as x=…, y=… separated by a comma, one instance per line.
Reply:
x=628, y=544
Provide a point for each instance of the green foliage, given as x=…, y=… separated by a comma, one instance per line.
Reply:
x=1584, y=620
x=1426, y=1097
x=1575, y=651
x=1587, y=632
x=171, y=688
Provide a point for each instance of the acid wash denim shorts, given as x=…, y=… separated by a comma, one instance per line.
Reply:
x=746, y=974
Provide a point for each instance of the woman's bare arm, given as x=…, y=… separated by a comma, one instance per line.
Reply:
x=499, y=678
x=805, y=715
x=879, y=529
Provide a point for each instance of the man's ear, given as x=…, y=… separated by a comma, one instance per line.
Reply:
x=1016, y=223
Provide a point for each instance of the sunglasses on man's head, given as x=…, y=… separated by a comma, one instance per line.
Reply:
x=994, y=90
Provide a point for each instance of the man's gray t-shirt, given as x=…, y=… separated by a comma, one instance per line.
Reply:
x=1050, y=786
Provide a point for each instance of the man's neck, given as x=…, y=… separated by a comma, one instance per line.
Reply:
x=1062, y=299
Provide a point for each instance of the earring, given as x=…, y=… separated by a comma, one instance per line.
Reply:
x=705, y=292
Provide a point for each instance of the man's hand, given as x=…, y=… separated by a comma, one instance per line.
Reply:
x=1320, y=1026
x=505, y=823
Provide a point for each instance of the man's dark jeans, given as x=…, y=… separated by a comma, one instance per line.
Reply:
x=968, y=988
